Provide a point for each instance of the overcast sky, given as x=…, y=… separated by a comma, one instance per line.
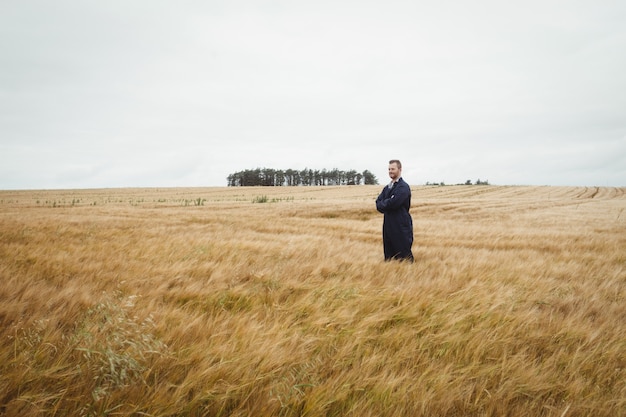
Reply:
x=149, y=93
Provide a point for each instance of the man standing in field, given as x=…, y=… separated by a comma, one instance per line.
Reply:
x=394, y=202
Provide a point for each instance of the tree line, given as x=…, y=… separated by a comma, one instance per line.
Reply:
x=294, y=177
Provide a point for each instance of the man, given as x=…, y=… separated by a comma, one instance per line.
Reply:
x=394, y=202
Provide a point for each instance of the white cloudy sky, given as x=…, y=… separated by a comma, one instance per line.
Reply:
x=183, y=93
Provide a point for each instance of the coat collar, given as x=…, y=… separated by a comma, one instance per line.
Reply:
x=393, y=183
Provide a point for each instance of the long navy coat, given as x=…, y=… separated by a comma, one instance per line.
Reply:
x=395, y=203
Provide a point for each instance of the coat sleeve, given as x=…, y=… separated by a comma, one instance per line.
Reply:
x=379, y=201
x=395, y=200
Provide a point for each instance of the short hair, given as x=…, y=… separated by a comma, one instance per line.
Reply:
x=397, y=162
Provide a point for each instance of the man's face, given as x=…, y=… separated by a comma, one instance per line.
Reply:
x=394, y=171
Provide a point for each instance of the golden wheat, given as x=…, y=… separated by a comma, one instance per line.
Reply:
x=276, y=302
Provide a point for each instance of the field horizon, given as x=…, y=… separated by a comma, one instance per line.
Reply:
x=275, y=301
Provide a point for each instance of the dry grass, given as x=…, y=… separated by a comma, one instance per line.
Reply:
x=194, y=302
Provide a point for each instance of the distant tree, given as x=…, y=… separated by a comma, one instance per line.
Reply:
x=306, y=176
x=350, y=177
x=369, y=178
x=248, y=178
x=279, y=178
x=324, y=177
x=290, y=177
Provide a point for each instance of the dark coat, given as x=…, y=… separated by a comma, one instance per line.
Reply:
x=395, y=203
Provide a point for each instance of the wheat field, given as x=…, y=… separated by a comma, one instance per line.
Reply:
x=277, y=302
